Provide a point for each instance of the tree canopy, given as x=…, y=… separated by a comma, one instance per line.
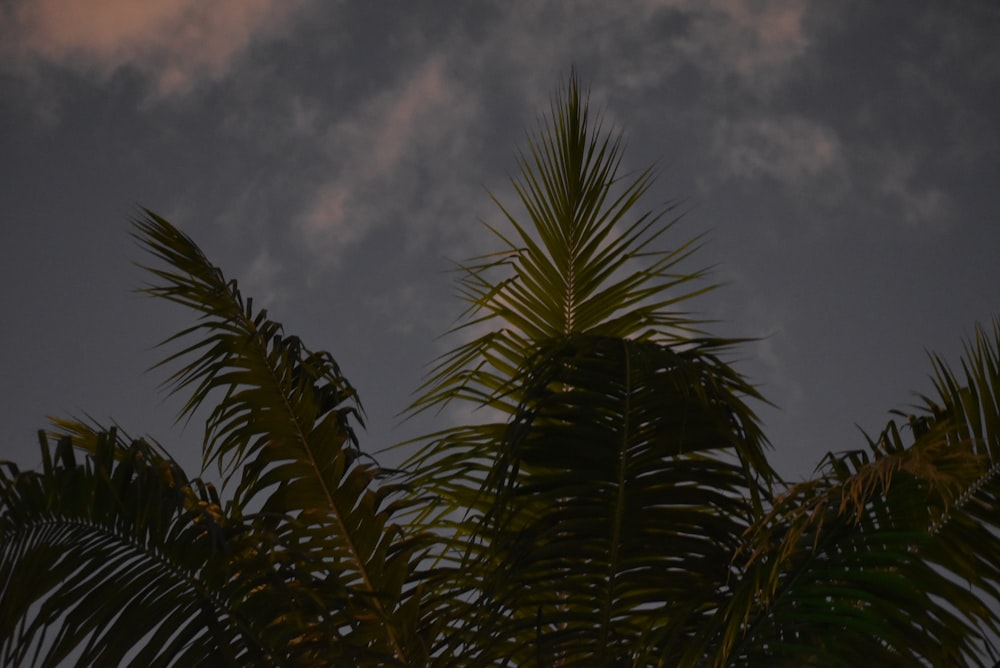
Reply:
x=615, y=506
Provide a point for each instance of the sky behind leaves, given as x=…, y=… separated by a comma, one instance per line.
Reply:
x=335, y=158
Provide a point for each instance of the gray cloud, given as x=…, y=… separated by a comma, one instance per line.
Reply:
x=789, y=149
x=378, y=153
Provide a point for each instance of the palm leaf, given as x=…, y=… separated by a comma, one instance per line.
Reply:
x=620, y=492
x=116, y=559
x=585, y=263
x=602, y=404
x=282, y=421
x=893, y=555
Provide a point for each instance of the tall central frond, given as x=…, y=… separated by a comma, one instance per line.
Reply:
x=570, y=262
x=621, y=463
x=585, y=260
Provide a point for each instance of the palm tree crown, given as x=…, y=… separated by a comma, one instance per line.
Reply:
x=615, y=507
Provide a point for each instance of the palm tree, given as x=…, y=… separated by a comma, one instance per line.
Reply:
x=124, y=557
x=618, y=429
x=615, y=507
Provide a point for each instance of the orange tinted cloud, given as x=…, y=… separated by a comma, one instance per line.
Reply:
x=177, y=43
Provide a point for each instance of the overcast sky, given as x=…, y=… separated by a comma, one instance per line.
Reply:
x=335, y=158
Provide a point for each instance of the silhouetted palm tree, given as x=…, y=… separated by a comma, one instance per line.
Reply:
x=615, y=508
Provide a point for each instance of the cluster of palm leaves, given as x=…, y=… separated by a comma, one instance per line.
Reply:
x=615, y=507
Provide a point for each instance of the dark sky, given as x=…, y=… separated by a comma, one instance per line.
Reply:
x=335, y=157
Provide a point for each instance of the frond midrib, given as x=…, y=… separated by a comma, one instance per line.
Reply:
x=165, y=241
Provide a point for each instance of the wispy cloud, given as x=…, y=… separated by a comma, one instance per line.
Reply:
x=742, y=46
x=757, y=42
x=377, y=153
x=407, y=131
x=790, y=149
x=262, y=279
x=896, y=181
x=177, y=44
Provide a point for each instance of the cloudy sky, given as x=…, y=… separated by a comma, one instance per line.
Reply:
x=335, y=157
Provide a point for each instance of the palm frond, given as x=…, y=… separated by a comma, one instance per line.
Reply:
x=118, y=558
x=585, y=262
x=615, y=442
x=620, y=490
x=282, y=421
x=893, y=555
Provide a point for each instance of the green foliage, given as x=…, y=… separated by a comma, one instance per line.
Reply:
x=615, y=507
x=618, y=494
x=120, y=555
x=283, y=421
x=847, y=567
